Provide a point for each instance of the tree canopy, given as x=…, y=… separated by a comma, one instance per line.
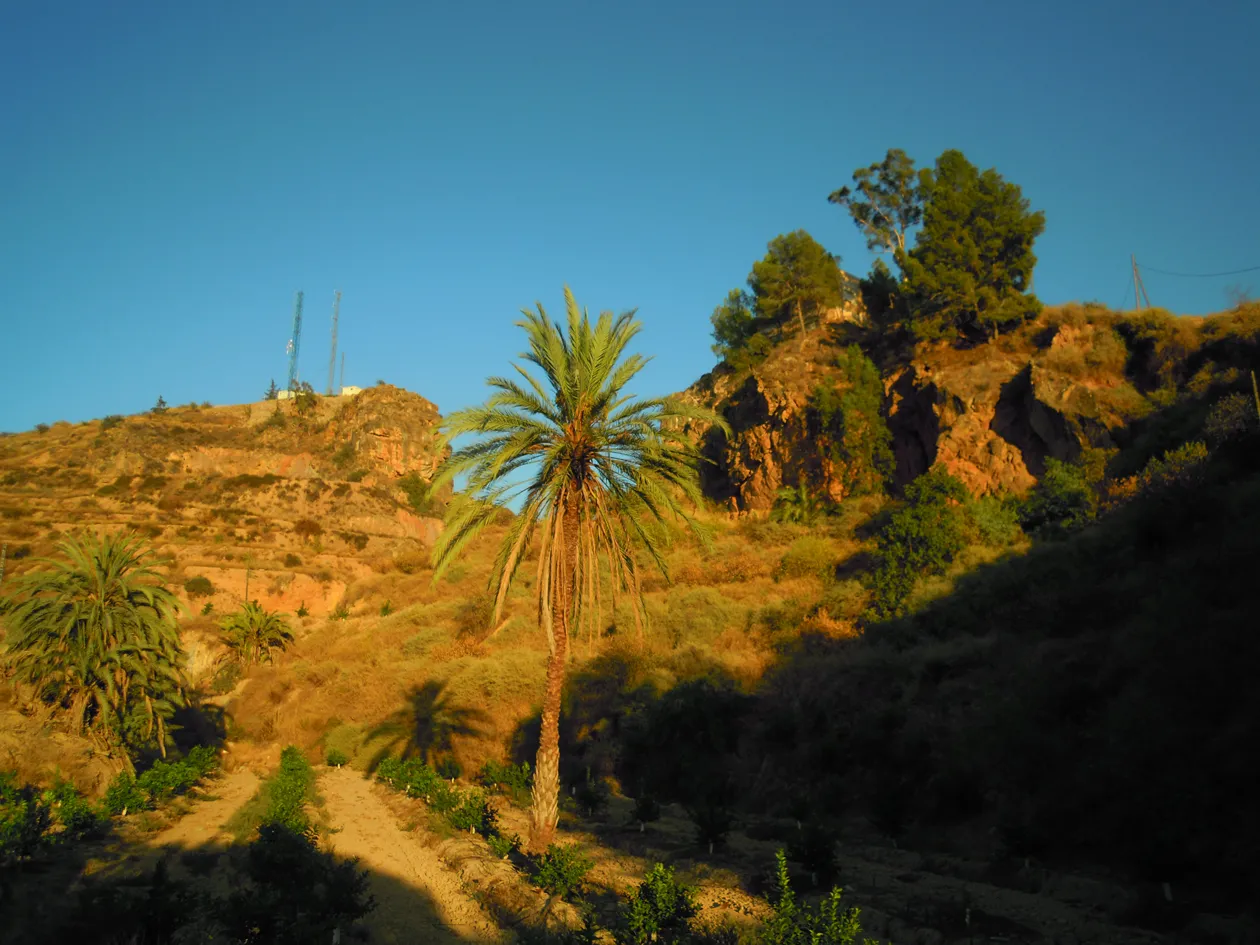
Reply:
x=94, y=633
x=885, y=202
x=971, y=267
x=796, y=280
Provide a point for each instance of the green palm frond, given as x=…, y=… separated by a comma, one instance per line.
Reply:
x=94, y=632
x=567, y=440
x=253, y=633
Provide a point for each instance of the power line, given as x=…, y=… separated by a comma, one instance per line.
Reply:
x=1199, y=275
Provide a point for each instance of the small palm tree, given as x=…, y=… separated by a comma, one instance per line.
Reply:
x=95, y=633
x=591, y=467
x=252, y=633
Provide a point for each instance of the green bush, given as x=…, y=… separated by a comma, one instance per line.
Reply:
x=1062, y=501
x=996, y=519
x=646, y=810
x=921, y=538
x=796, y=924
x=292, y=561
x=335, y=758
x=24, y=820
x=124, y=796
x=199, y=586
x=659, y=911
x=808, y=556
x=288, y=792
x=1229, y=418
x=72, y=811
x=560, y=871
x=505, y=776
x=503, y=846
x=226, y=678
x=111, y=421
x=474, y=813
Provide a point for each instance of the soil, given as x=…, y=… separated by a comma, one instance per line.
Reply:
x=418, y=899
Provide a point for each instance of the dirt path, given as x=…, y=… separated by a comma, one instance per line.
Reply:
x=204, y=823
x=418, y=898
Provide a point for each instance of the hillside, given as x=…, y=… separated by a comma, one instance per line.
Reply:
x=1013, y=710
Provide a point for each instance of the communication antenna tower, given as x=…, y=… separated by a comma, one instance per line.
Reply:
x=295, y=341
x=1139, y=290
x=332, y=358
x=342, y=383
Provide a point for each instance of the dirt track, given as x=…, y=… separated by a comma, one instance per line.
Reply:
x=418, y=898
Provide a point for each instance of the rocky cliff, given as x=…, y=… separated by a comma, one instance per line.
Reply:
x=991, y=415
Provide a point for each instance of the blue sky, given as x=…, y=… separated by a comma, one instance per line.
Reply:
x=170, y=173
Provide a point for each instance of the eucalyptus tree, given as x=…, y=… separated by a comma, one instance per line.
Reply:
x=593, y=468
x=94, y=633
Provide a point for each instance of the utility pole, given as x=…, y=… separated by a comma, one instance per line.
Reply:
x=1139, y=290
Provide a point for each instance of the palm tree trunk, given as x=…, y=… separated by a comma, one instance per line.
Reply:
x=545, y=809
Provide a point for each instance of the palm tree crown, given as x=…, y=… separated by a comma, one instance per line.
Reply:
x=591, y=465
x=95, y=633
x=592, y=458
x=253, y=632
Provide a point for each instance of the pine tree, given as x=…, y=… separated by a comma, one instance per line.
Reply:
x=160, y=406
x=797, y=277
x=272, y=392
x=972, y=263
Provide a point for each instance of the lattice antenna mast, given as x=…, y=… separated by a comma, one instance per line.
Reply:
x=295, y=341
x=332, y=358
x=1139, y=290
x=342, y=383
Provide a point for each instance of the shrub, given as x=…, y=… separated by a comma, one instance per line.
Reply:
x=199, y=586
x=996, y=519
x=814, y=848
x=124, y=796
x=505, y=776
x=1177, y=468
x=794, y=924
x=1060, y=502
x=473, y=813
x=77, y=817
x=344, y=455
x=419, y=495
x=167, y=778
x=560, y=871
x=592, y=796
x=808, y=556
x=226, y=678
x=307, y=529
x=1229, y=418
x=503, y=846
x=111, y=421
x=335, y=758
x=42, y=428
x=712, y=818
x=646, y=810
x=387, y=608
x=24, y=820
x=659, y=911
x=921, y=538
x=288, y=791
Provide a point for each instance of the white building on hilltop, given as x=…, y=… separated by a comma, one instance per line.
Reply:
x=350, y=390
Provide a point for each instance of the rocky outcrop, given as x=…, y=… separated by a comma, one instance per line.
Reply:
x=989, y=415
x=391, y=429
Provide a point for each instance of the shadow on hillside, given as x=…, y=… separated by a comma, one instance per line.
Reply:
x=198, y=894
x=425, y=727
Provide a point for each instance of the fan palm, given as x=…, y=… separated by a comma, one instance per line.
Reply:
x=591, y=467
x=253, y=632
x=95, y=633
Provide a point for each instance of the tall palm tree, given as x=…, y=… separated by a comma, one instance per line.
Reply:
x=592, y=467
x=253, y=632
x=95, y=633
